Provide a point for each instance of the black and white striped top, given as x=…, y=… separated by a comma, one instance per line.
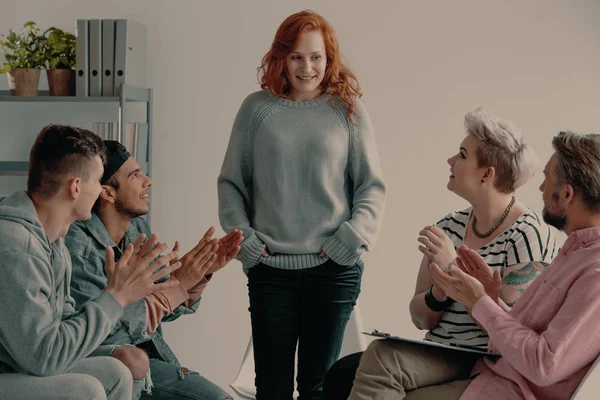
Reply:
x=528, y=240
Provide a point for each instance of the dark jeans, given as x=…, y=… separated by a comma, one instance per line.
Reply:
x=340, y=377
x=308, y=307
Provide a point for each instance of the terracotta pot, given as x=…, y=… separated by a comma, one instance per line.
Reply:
x=23, y=81
x=61, y=82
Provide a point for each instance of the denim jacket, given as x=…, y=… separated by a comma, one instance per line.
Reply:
x=87, y=241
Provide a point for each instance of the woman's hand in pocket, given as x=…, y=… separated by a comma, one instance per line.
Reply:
x=264, y=254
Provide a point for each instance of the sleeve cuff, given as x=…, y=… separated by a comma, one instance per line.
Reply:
x=175, y=296
x=109, y=305
x=503, y=305
x=251, y=250
x=197, y=290
x=338, y=253
x=203, y=282
x=485, y=310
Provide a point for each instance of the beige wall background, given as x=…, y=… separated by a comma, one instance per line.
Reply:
x=422, y=65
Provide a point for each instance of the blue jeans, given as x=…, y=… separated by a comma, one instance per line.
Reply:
x=173, y=382
x=309, y=308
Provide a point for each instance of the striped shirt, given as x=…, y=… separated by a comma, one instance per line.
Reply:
x=529, y=240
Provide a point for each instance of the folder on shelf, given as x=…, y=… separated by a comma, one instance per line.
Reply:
x=130, y=54
x=81, y=59
x=95, y=57
x=108, y=56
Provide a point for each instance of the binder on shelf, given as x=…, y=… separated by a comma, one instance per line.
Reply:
x=95, y=57
x=81, y=59
x=108, y=56
x=130, y=54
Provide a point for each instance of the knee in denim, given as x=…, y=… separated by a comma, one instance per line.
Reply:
x=135, y=359
x=184, y=372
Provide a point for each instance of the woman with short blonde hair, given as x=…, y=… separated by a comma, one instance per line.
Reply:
x=492, y=162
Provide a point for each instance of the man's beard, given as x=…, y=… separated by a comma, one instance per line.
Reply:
x=558, y=219
x=124, y=209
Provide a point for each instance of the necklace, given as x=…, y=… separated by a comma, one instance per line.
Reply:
x=488, y=233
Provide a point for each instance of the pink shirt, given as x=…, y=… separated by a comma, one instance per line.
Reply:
x=551, y=337
x=161, y=304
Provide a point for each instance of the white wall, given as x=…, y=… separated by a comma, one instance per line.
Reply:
x=422, y=65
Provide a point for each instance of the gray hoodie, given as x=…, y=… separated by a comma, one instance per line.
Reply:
x=40, y=332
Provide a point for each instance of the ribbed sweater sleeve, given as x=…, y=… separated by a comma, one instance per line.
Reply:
x=234, y=181
x=360, y=232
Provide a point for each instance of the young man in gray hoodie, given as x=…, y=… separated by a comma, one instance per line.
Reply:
x=44, y=342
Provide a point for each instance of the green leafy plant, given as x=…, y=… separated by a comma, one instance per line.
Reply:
x=25, y=49
x=59, y=49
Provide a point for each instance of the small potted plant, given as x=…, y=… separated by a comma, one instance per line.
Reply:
x=24, y=54
x=60, y=61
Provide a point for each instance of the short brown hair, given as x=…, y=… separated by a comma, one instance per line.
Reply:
x=59, y=151
x=578, y=165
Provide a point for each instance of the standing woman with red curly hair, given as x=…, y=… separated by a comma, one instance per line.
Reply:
x=301, y=179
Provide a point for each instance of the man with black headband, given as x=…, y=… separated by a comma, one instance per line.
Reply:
x=117, y=220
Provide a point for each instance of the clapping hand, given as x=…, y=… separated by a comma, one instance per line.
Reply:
x=474, y=265
x=437, y=246
x=229, y=247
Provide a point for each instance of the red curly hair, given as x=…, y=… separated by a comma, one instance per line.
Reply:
x=338, y=78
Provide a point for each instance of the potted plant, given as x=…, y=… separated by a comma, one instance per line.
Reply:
x=24, y=54
x=60, y=61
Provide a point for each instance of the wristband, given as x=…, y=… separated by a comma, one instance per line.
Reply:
x=433, y=303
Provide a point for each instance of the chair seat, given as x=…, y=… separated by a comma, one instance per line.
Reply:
x=589, y=388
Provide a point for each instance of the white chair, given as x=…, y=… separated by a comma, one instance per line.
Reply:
x=589, y=388
x=354, y=341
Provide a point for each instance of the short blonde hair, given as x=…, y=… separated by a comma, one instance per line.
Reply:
x=501, y=146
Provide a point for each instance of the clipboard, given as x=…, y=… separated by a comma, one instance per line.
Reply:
x=455, y=347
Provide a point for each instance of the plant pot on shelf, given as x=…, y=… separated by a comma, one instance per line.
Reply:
x=61, y=82
x=23, y=81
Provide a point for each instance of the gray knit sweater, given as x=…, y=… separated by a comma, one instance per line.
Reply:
x=300, y=178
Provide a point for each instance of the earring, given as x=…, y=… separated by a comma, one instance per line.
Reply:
x=482, y=181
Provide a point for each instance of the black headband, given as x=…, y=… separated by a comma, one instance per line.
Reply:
x=116, y=155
